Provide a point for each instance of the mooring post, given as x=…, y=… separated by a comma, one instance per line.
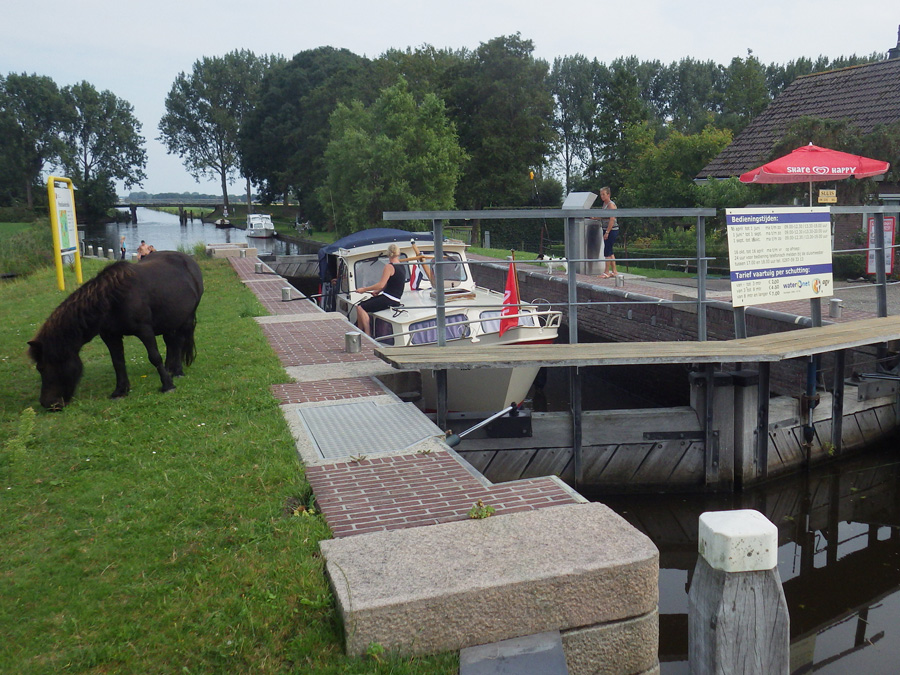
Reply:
x=738, y=619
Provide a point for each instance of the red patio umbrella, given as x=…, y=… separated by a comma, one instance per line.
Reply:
x=812, y=163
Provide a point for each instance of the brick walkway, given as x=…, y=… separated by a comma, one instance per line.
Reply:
x=385, y=492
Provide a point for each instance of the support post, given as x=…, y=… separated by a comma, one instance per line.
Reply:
x=574, y=374
x=837, y=402
x=762, y=422
x=738, y=617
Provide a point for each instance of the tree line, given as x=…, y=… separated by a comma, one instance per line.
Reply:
x=349, y=137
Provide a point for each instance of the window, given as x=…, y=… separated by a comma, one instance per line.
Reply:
x=368, y=272
x=490, y=320
x=454, y=330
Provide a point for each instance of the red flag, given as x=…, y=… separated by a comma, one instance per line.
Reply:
x=510, y=301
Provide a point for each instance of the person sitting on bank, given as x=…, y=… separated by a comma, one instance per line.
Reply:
x=385, y=293
x=142, y=250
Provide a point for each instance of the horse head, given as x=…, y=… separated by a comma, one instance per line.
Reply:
x=59, y=375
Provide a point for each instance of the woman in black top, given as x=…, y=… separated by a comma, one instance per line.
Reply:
x=386, y=293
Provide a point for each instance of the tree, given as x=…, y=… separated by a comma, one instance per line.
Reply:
x=570, y=83
x=102, y=144
x=662, y=174
x=745, y=95
x=502, y=106
x=283, y=138
x=31, y=114
x=395, y=155
x=205, y=111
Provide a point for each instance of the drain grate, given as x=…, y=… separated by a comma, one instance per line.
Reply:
x=352, y=429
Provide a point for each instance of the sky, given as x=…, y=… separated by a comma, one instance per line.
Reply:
x=136, y=50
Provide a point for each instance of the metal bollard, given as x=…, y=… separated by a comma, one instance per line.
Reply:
x=835, y=308
x=352, y=342
x=110, y=254
x=134, y=257
x=90, y=250
x=286, y=294
x=242, y=253
x=257, y=268
x=620, y=280
x=738, y=617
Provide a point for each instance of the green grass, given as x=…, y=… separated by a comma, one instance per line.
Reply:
x=25, y=246
x=162, y=533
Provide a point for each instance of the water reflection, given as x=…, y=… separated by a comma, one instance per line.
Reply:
x=838, y=557
x=164, y=231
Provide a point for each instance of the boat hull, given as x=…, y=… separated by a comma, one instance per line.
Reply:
x=485, y=390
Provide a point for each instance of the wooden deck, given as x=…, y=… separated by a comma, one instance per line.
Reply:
x=757, y=349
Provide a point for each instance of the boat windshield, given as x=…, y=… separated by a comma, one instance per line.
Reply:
x=452, y=272
x=368, y=272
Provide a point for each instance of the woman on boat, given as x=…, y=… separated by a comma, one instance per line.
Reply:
x=386, y=293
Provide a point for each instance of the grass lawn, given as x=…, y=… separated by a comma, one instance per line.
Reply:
x=162, y=533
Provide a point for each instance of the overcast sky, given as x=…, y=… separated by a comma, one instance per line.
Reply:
x=136, y=50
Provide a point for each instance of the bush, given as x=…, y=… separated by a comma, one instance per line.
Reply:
x=25, y=251
x=17, y=214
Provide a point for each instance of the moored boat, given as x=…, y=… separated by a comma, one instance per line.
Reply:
x=473, y=315
x=260, y=225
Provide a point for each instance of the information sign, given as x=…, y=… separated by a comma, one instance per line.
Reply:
x=889, y=229
x=828, y=196
x=64, y=226
x=779, y=254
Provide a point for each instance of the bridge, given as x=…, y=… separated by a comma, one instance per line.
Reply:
x=193, y=201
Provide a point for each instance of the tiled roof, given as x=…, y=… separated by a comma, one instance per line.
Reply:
x=867, y=95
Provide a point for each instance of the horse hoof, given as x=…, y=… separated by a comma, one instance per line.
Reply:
x=118, y=394
x=167, y=389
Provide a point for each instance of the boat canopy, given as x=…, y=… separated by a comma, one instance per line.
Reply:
x=375, y=235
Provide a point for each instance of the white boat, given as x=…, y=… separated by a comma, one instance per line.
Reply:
x=472, y=313
x=260, y=225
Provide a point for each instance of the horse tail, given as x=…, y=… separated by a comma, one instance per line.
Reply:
x=190, y=346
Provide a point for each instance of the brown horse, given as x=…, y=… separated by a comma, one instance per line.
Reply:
x=158, y=296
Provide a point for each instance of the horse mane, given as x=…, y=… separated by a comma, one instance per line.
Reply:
x=75, y=320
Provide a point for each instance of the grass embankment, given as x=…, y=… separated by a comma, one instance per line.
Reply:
x=25, y=246
x=161, y=533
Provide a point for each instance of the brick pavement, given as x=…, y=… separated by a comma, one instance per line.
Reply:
x=383, y=492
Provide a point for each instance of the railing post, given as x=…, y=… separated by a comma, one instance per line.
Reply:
x=440, y=378
x=574, y=374
x=738, y=619
x=701, y=278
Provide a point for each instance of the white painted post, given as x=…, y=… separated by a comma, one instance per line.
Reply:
x=90, y=250
x=110, y=254
x=738, y=618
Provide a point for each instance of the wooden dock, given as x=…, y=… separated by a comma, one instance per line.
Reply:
x=734, y=443
x=758, y=349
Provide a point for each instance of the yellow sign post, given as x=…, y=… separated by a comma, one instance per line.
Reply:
x=64, y=226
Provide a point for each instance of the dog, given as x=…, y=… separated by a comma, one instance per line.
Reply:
x=553, y=263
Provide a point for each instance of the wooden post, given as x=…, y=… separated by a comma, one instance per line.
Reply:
x=738, y=617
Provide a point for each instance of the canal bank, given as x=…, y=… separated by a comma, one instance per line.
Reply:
x=413, y=567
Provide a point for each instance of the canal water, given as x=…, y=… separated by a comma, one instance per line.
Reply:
x=164, y=231
x=838, y=558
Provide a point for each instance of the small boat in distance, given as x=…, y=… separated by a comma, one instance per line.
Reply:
x=260, y=225
x=223, y=222
x=473, y=315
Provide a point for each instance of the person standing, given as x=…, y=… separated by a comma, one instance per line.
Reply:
x=143, y=249
x=386, y=293
x=610, y=234
x=122, y=247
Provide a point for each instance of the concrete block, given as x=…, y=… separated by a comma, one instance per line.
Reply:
x=738, y=541
x=454, y=585
x=629, y=646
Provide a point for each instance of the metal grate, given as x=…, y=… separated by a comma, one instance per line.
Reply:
x=352, y=429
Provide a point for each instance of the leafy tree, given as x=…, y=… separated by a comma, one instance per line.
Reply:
x=394, y=155
x=571, y=85
x=283, y=138
x=31, y=114
x=662, y=174
x=205, y=111
x=696, y=94
x=745, y=95
x=622, y=107
x=102, y=144
x=503, y=108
